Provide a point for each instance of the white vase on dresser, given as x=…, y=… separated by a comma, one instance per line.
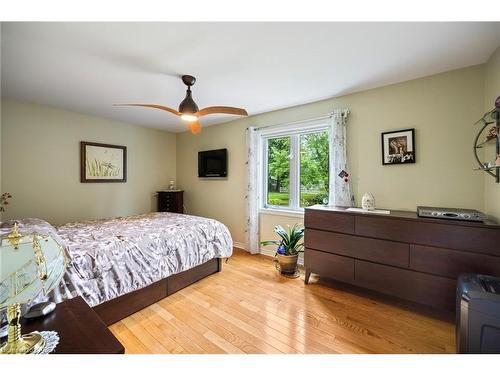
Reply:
x=368, y=202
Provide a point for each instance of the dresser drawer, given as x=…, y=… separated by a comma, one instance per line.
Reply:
x=410, y=285
x=329, y=265
x=164, y=206
x=327, y=220
x=167, y=198
x=454, y=236
x=451, y=263
x=387, y=252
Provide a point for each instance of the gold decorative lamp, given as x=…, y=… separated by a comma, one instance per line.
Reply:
x=28, y=265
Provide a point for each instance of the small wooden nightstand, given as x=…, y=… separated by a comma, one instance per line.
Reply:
x=80, y=329
x=171, y=201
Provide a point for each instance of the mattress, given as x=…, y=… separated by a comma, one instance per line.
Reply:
x=109, y=258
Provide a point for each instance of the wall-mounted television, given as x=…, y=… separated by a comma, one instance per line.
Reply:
x=212, y=163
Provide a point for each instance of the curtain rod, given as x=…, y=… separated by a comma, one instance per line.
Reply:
x=321, y=117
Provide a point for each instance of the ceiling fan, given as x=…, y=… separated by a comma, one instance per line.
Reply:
x=188, y=109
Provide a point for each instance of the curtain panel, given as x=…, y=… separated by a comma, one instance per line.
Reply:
x=340, y=189
x=253, y=190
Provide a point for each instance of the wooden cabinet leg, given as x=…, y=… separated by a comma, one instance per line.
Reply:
x=306, y=278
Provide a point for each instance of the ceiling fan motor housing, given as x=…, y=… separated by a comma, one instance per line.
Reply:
x=188, y=105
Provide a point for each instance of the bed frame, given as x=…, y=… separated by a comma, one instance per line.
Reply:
x=123, y=306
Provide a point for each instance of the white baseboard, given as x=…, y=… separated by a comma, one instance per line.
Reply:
x=263, y=251
x=266, y=252
x=240, y=245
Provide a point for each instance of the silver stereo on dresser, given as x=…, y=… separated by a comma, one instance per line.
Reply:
x=451, y=213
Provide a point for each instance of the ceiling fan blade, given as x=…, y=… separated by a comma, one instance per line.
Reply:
x=157, y=106
x=221, y=109
x=194, y=127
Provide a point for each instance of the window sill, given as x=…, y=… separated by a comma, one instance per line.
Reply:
x=281, y=212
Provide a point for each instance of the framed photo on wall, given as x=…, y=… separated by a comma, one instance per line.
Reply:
x=398, y=147
x=101, y=162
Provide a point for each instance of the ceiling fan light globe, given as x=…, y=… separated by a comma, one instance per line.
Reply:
x=189, y=117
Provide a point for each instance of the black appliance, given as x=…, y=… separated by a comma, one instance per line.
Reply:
x=212, y=163
x=478, y=314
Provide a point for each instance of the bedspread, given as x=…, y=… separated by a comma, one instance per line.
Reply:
x=111, y=257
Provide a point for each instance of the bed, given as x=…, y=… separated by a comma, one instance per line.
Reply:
x=122, y=265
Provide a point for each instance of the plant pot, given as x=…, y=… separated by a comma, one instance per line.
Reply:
x=288, y=265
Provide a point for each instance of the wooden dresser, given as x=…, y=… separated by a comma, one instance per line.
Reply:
x=171, y=201
x=400, y=254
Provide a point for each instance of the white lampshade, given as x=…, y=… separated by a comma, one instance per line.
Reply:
x=29, y=265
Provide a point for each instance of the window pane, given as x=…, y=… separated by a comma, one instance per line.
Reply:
x=278, y=175
x=314, y=155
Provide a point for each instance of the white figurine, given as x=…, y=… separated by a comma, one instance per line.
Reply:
x=368, y=202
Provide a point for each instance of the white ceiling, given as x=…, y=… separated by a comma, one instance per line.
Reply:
x=86, y=67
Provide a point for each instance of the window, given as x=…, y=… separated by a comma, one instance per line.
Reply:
x=295, y=167
x=314, y=160
x=278, y=171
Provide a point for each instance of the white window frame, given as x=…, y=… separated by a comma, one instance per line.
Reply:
x=294, y=131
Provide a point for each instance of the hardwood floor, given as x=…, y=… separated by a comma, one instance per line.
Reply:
x=249, y=308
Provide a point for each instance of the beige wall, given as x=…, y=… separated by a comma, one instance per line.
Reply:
x=441, y=108
x=491, y=92
x=41, y=164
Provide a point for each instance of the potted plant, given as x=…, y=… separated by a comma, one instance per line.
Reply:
x=289, y=247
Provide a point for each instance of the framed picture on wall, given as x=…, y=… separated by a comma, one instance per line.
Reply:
x=398, y=147
x=101, y=162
